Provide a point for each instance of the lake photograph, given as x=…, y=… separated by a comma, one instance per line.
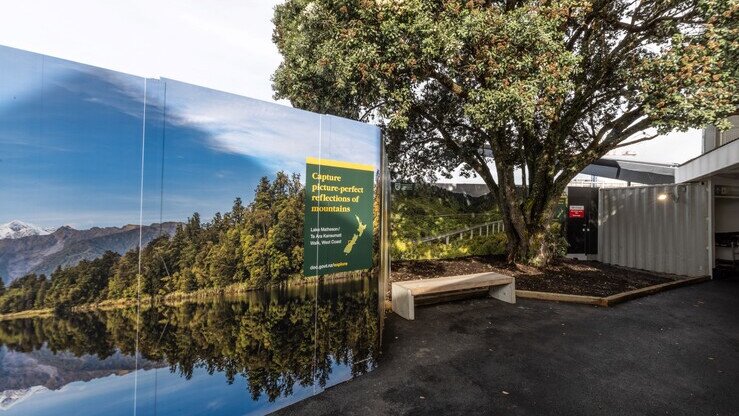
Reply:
x=161, y=253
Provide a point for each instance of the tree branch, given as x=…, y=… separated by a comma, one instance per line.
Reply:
x=474, y=159
x=643, y=139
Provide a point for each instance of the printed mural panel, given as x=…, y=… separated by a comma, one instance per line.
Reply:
x=192, y=201
x=338, y=207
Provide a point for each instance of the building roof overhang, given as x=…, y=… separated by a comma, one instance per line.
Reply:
x=631, y=171
x=724, y=159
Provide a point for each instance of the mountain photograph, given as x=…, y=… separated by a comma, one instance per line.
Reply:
x=109, y=157
x=30, y=249
x=152, y=237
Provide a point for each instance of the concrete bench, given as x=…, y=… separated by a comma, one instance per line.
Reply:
x=404, y=293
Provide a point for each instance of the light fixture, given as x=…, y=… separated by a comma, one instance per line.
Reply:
x=673, y=194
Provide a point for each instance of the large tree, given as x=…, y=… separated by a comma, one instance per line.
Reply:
x=507, y=88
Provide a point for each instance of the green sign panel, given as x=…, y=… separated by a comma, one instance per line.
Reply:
x=338, y=216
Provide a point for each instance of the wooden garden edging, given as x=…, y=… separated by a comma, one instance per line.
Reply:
x=613, y=299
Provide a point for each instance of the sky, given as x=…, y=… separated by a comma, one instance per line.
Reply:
x=224, y=45
x=166, y=392
x=75, y=138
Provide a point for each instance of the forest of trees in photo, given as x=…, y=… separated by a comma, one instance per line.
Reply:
x=239, y=338
x=252, y=246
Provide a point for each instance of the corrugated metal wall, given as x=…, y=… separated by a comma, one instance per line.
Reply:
x=637, y=229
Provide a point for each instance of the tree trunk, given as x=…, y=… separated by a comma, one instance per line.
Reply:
x=530, y=235
x=510, y=202
x=527, y=216
x=541, y=249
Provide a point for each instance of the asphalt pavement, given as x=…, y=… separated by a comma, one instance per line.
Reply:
x=673, y=353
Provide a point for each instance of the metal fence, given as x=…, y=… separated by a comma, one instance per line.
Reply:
x=469, y=232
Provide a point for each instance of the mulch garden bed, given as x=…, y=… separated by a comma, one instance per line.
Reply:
x=587, y=278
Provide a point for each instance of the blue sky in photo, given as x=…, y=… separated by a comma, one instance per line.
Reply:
x=71, y=144
x=167, y=392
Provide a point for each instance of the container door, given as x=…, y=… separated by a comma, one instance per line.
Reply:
x=582, y=220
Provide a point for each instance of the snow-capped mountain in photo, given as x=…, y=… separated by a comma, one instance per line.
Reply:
x=42, y=251
x=18, y=229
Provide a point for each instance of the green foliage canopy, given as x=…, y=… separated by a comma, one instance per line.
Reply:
x=543, y=87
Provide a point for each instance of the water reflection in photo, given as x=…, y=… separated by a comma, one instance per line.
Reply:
x=237, y=355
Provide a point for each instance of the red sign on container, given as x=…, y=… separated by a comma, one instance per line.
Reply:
x=577, y=211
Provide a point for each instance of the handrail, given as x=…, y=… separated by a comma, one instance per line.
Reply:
x=495, y=226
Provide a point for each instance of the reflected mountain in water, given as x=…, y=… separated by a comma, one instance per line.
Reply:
x=42, y=367
x=270, y=346
x=9, y=398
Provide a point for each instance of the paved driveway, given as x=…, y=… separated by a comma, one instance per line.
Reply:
x=675, y=353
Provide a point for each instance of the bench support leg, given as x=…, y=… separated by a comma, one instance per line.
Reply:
x=403, y=302
x=506, y=293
